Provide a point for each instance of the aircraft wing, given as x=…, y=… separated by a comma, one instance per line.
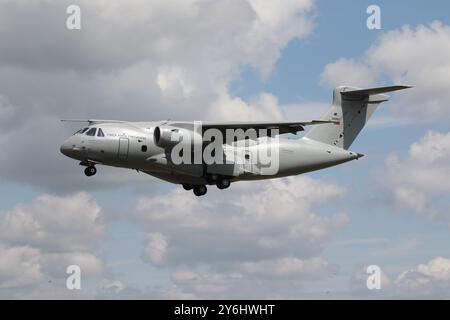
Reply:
x=283, y=127
x=92, y=121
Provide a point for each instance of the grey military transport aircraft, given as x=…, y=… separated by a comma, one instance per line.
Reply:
x=254, y=151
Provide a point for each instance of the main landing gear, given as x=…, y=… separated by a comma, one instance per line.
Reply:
x=223, y=183
x=90, y=171
x=200, y=190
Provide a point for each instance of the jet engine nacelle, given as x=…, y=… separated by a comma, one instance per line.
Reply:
x=167, y=137
x=162, y=137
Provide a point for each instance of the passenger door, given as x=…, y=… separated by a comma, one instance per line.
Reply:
x=124, y=147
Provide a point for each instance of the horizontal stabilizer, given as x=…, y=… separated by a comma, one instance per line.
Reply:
x=372, y=91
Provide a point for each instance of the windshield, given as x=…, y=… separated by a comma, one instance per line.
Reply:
x=91, y=132
x=81, y=131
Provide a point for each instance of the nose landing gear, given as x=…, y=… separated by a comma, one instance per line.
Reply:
x=90, y=171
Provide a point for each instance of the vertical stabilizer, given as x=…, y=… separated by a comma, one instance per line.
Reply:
x=351, y=109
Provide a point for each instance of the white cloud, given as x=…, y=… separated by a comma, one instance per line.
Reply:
x=413, y=56
x=143, y=60
x=184, y=276
x=275, y=14
x=173, y=82
x=274, y=217
x=19, y=266
x=113, y=286
x=438, y=268
x=54, y=263
x=416, y=180
x=205, y=41
x=305, y=110
x=205, y=284
x=177, y=294
x=281, y=278
x=289, y=267
x=54, y=223
x=348, y=72
x=264, y=108
x=41, y=239
x=155, y=248
x=261, y=232
x=277, y=23
x=426, y=280
x=413, y=283
x=433, y=148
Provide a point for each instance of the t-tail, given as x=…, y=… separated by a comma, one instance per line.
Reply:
x=352, y=108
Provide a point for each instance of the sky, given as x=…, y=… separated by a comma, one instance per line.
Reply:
x=302, y=237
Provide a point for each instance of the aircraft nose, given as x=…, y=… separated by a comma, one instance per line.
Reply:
x=65, y=148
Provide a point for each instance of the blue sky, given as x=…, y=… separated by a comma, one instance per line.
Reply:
x=340, y=32
x=380, y=229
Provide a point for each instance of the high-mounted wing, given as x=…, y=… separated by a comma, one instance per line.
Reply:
x=92, y=121
x=283, y=127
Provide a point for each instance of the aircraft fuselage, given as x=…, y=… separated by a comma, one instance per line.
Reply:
x=131, y=145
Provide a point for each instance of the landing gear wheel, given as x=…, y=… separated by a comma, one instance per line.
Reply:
x=187, y=187
x=90, y=171
x=200, y=190
x=223, y=183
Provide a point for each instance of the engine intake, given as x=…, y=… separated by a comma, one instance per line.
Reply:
x=167, y=137
x=162, y=137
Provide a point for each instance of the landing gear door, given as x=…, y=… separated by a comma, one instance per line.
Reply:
x=124, y=147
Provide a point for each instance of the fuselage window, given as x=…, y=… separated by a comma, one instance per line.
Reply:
x=100, y=133
x=91, y=132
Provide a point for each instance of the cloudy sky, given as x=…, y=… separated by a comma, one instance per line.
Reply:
x=309, y=236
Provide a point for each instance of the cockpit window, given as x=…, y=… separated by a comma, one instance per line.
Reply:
x=81, y=131
x=100, y=133
x=91, y=132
